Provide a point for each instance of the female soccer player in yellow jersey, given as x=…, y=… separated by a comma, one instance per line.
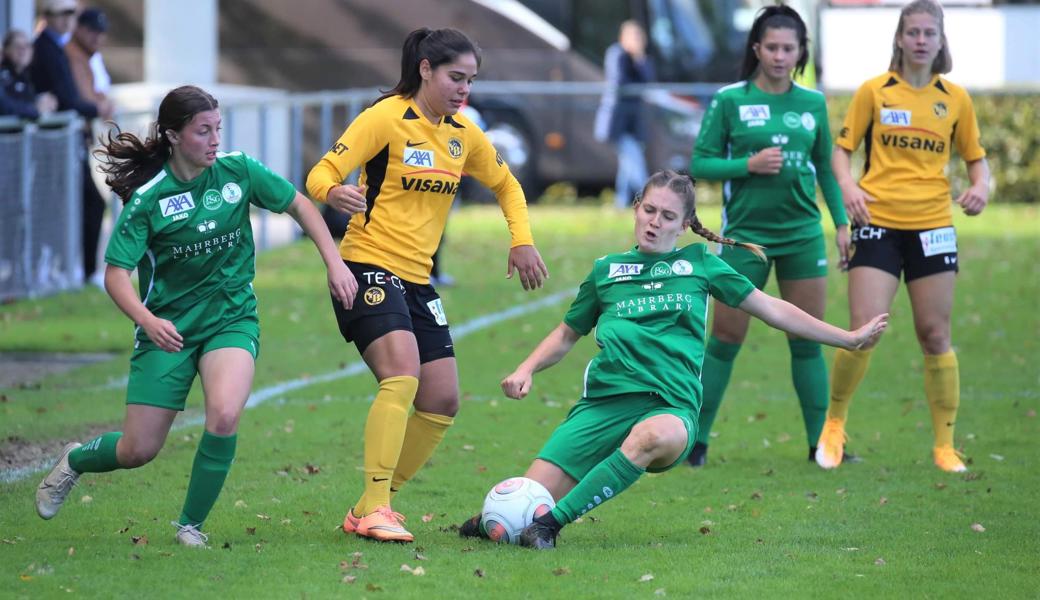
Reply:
x=908, y=119
x=412, y=147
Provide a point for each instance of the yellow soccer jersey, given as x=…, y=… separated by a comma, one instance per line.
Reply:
x=412, y=168
x=908, y=133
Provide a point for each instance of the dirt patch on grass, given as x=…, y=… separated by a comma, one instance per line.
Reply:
x=26, y=369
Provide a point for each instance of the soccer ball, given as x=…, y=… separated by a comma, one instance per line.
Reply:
x=512, y=505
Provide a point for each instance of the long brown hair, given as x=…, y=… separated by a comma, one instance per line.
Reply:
x=684, y=187
x=943, y=62
x=439, y=46
x=130, y=162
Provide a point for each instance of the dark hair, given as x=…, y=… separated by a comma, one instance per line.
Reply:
x=438, y=46
x=11, y=35
x=943, y=62
x=775, y=17
x=130, y=162
x=684, y=187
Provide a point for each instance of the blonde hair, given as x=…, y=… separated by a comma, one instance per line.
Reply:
x=684, y=186
x=943, y=62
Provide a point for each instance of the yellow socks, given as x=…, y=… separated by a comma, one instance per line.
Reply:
x=849, y=368
x=384, y=434
x=425, y=432
x=942, y=386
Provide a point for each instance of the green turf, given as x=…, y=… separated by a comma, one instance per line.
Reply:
x=773, y=525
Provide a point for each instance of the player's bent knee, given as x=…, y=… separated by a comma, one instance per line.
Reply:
x=223, y=421
x=132, y=456
x=934, y=340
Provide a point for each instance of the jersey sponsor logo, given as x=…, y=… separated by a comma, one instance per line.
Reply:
x=649, y=303
x=418, y=158
x=338, y=148
x=212, y=200
x=653, y=285
x=455, y=147
x=939, y=241
x=895, y=117
x=374, y=296
x=382, y=278
x=498, y=159
x=682, y=267
x=808, y=121
x=231, y=192
x=913, y=142
x=207, y=225
x=754, y=112
x=844, y=133
x=435, y=186
x=940, y=110
x=214, y=244
x=437, y=310
x=412, y=144
x=792, y=120
x=867, y=233
x=623, y=269
x=661, y=269
x=780, y=139
x=176, y=204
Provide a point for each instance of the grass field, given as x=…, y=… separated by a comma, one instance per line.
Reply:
x=758, y=520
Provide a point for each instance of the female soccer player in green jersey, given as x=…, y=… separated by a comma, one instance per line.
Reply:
x=768, y=139
x=642, y=395
x=185, y=228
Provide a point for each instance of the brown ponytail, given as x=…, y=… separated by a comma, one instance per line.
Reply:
x=684, y=186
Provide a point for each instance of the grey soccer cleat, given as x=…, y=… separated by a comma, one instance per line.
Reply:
x=55, y=487
x=189, y=535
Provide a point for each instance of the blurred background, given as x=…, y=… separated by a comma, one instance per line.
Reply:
x=291, y=74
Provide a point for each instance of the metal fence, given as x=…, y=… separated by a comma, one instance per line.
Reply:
x=40, y=206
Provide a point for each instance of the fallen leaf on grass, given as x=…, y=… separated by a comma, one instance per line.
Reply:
x=812, y=496
x=263, y=517
x=258, y=548
x=427, y=517
x=371, y=587
x=996, y=457
x=349, y=579
x=89, y=499
x=226, y=546
x=841, y=491
x=241, y=504
x=883, y=501
x=478, y=572
x=647, y=577
x=71, y=551
x=852, y=549
x=25, y=577
x=756, y=495
x=1031, y=413
x=286, y=521
x=418, y=571
x=940, y=486
x=250, y=530
x=468, y=447
x=879, y=562
x=704, y=530
x=135, y=557
x=7, y=541
x=977, y=527
x=139, y=540
x=561, y=571
x=312, y=469
x=659, y=592
x=419, y=555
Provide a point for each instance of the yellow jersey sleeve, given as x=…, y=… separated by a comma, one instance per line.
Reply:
x=486, y=165
x=858, y=119
x=358, y=144
x=966, y=131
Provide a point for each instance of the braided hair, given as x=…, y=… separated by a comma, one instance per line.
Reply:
x=684, y=186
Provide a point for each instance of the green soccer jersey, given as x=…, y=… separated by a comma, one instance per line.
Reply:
x=192, y=243
x=649, y=312
x=771, y=210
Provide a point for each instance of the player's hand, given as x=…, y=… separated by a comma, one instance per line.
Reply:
x=856, y=201
x=342, y=284
x=766, y=161
x=46, y=103
x=163, y=334
x=844, y=242
x=974, y=199
x=347, y=198
x=517, y=385
x=869, y=333
x=528, y=264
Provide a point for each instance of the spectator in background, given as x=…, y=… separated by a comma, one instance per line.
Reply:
x=51, y=72
x=17, y=95
x=619, y=119
x=83, y=52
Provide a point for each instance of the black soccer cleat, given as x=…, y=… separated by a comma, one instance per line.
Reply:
x=538, y=536
x=699, y=455
x=471, y=528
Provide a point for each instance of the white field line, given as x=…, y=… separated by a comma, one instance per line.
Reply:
x=278, y=390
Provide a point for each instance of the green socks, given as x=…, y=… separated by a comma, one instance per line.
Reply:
x=98, y=455
x=607, y=479
x=809, y=374
x=718, y=365
x=208, y=472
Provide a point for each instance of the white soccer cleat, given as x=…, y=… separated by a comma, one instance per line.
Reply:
x=189, y=535
x=55, y=487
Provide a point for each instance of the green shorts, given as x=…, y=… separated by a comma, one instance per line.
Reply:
x=163, y=379
x=595, y=428
x=804, y=259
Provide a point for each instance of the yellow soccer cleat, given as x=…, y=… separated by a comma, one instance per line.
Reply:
x=948, y=459
x=831, y=447
x=383, y=525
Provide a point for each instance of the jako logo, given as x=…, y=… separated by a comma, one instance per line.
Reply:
x=895, y=117
x=429, y=185
x=621, y=269
x=176, y=204
x=754, y=112
x=418, y=158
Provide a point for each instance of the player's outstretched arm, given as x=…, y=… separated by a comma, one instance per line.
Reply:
x=550, y=351
x=787, y=317
x=341, y=281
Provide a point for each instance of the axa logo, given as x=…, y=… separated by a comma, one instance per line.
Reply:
x=416, y=157
x=622, y=269
x=436, y=186
x=895, y=117
x=176, y=204
x=754, y=112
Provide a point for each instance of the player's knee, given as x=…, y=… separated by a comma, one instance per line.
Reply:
x=654, y=438
x=133, y=455
x=934, y=338
x=222, y=421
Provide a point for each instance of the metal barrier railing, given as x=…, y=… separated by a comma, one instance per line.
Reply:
x=41, y=170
